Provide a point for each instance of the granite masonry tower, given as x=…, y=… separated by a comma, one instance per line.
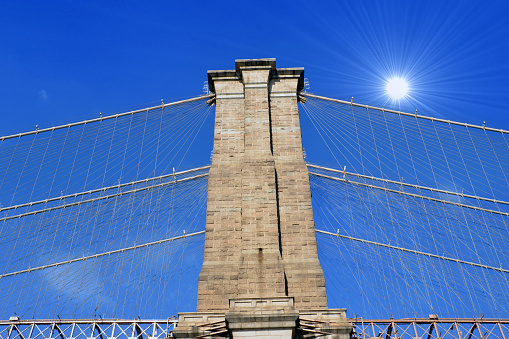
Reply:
x=261, y=276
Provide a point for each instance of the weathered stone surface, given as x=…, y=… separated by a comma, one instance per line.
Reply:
x=260, y=239
x=261, y=277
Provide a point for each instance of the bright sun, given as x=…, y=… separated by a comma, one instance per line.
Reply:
x=396, y=88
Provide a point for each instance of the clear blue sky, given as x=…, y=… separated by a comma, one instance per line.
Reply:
x=61, y=61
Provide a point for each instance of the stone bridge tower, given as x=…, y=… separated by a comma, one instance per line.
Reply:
x=261, y=273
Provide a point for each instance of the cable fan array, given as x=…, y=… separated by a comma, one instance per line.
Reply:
x=412, y=213
x=104, y=218
x=98, y=220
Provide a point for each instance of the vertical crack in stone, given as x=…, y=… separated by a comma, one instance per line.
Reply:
x=259, y=193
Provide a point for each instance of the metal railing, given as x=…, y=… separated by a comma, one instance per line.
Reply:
x=415, y=328
x=431, y=328
x=87, y=329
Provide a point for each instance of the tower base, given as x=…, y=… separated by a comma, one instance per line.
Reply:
x=265, y=318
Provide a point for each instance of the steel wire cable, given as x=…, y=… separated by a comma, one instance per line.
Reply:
x=427, y=158
x=86, y=157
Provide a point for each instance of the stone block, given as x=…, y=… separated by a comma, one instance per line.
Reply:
x=259, y=224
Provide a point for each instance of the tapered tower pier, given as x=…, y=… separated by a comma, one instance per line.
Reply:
x=261, y=275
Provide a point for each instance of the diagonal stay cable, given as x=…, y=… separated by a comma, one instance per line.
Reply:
x=408, y=194
x=103, y=197
x=463, y=195
x=84, y=122
x=484, y=128
x=413, y=251
x=102, y=189
x=129, y=248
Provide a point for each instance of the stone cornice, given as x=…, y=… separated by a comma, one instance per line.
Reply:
x=256, y=64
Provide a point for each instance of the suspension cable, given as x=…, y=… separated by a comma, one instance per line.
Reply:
x=484, y=128
x=409, y=185
x=103, y=197
x=84, y=122
x=73, y=195
x=408, y=194
x=125, y=249
x=413, y=251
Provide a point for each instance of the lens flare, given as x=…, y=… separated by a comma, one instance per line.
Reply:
x=397, y=88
